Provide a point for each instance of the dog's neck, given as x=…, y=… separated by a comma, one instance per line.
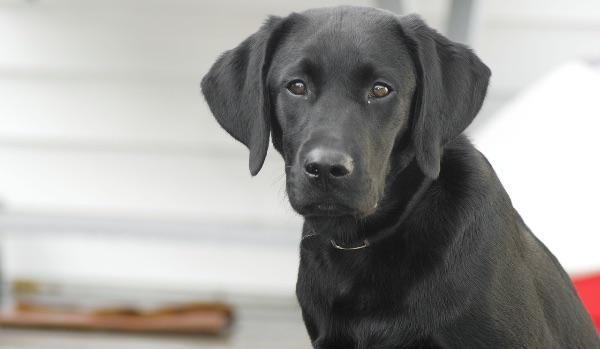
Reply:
x=407, y=187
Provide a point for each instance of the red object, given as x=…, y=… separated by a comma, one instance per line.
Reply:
x=588, y=288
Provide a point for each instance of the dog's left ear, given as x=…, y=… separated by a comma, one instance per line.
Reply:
x=451, y=86
x=235, y=89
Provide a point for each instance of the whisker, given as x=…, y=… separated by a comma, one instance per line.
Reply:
x=276, y=180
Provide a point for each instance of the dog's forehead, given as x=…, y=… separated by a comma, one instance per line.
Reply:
x=344, y=38
x=348, y=30
x=348, y=17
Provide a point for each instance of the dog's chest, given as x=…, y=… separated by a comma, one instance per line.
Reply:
x=342, y=300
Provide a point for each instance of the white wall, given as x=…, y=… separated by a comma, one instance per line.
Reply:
x=101, y=117
x=544, y=146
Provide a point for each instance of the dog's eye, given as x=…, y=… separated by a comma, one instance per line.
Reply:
x=297, y=87
x=379, y=90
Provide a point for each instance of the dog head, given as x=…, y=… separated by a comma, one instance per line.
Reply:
x=349, y=96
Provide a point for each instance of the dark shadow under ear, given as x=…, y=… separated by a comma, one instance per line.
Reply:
x=451, y=86
x=235, y=89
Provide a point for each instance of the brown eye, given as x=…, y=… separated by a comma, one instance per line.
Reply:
x=297, y=87
x=379, y=90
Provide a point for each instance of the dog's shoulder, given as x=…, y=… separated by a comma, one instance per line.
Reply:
x=466, y=174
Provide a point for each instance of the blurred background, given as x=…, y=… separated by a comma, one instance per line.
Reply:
x=120, y=194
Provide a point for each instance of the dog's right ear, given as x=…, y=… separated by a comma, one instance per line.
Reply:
x=235, y=89
x=451, y=86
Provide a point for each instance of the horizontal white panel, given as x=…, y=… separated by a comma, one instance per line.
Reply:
x=144, y=185
x=171, y=113
x=185, y=265
x=519, y=56
x=119, y=37
x=536, y=10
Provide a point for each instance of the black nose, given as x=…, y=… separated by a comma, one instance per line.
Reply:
x=328, y=164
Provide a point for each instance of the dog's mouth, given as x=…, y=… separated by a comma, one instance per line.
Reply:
x=327, y=209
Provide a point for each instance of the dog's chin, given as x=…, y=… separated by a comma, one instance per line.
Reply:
x=332, y=210
x=319, y=205
x=327, y=209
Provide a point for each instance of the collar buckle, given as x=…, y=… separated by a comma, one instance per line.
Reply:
x=365, y=244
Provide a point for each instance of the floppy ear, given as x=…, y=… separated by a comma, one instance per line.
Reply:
x=451, y=86
x=236, y=91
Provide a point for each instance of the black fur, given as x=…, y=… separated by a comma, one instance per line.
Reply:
x=449, y=262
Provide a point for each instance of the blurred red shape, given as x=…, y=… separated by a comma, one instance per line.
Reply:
x=588, y=288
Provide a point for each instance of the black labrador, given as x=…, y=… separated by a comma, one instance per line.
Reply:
x=409, y=240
